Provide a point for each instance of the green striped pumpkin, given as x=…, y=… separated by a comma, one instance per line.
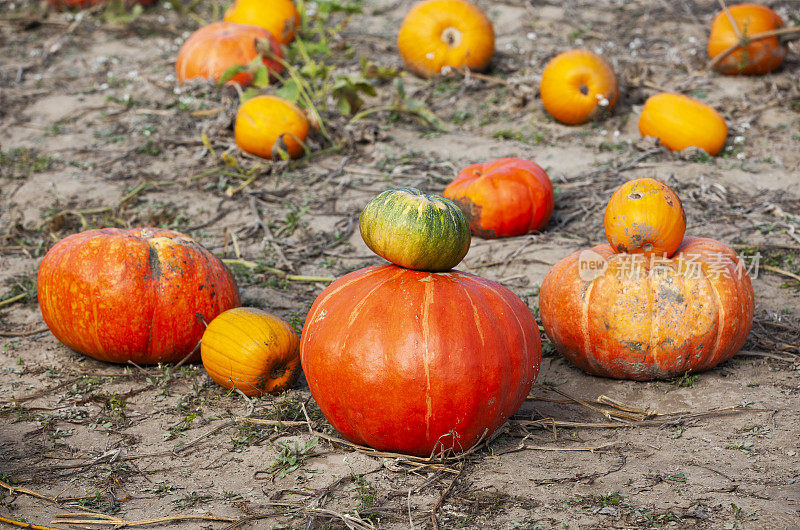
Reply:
x=415, y=230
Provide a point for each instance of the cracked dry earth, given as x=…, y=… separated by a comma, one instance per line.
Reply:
x=96, y=133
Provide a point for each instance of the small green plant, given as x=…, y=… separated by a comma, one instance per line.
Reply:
x=685, y=380
x=366, y=493
x=289, y=459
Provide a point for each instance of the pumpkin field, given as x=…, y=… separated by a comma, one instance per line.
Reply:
x=398, y=264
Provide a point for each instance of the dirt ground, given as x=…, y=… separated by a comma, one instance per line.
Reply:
x=95, y=132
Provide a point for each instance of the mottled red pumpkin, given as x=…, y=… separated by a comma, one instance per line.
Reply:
x=629, y=317
x=417, y=362
x=141, y=295
x=505, y=197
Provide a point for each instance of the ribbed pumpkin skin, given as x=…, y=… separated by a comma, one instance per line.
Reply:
x=279, y=17
x=659, y=326
x=251, y=350
x=679, y=122
x=398, y=359
x=759, y=56
x=214, y=48
x=445, y=33
x=577, y=86
x=136, y=295
x=644, y=216
x=504, y=197
x=415, y=230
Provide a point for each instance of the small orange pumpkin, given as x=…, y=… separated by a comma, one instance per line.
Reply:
x=214, y=48
x=679, y=122
x=279, y=17
x=644, y=216
x=504, y=197
x=577, y=86
x=266, y=125
x=752, y=57
x=437, y=34
x=253, y=351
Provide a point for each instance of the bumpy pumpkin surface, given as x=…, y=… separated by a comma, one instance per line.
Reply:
x=577, y=86
x=251, y=350
x=212, y=49
x=279, y=17
x=440, y=34
x=754, y=57
x=644, y=216
x=415, y=230
x=267, y=125
x=138, y=295
x=627, y=317
x=504, y=197
x=679, y=122
x=417, y=362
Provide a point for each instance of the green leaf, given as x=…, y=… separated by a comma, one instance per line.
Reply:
x=261, y=77
x=230, y=73
x=289, y=91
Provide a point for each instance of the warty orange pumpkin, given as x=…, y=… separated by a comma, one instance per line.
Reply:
x=212, y=49
x=679, y=122
x=751, y=56
x=629, y=317
x=578, y=86
x=644, y=216
x=418, y=362
x=503, y=197
x=440, y=34
x=250, y=350
x=279, y=17
x=140, y=295
x=267, y=125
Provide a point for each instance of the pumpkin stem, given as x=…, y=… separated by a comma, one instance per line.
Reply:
x=451, y=36
x=584, y=89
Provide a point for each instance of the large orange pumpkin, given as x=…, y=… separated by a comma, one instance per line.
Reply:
x=629, y=317
x=679, y=122
x=140, y=295
x=752, y=57
x=214, y=48
x=504, y=197
x=417, y=362
x=440, y=34
x=577, y=86
x=266, y=125
x=645, y=216
x=253, y=351
x=279, y=17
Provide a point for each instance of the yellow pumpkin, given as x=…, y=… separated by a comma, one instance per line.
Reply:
x=279, y=17
x=679, y=122
x=437, y=34
x=577, y=86
x=251, y=350
x=644, y=216
x=752, y=56
x=266, y=125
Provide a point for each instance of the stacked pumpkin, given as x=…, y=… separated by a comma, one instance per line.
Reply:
x=251, y=35
x=412, y=356
x=652, y=304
